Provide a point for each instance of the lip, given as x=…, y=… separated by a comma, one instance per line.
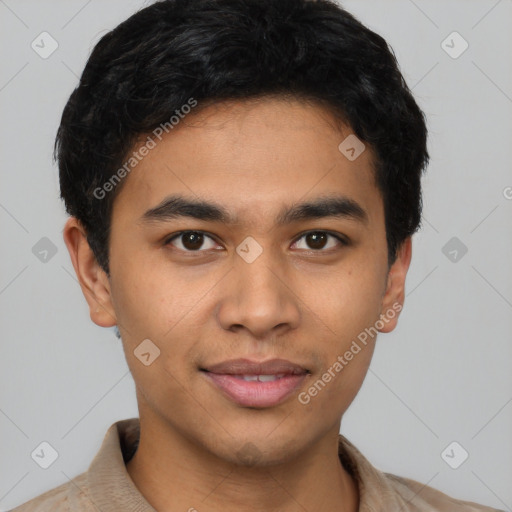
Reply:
x=249, y=367
x=226, y=377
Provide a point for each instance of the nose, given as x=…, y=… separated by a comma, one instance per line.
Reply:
x=259, y=298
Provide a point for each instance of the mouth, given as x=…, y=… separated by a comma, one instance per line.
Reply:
x=256, y=384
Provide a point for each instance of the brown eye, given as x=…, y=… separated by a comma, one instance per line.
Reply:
x=317, y=240
x=191, y=241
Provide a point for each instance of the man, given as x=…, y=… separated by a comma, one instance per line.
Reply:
x=243, y=180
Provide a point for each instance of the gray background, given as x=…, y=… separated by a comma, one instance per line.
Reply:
x=442, y=376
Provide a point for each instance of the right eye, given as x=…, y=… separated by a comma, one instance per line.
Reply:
x=189, y=241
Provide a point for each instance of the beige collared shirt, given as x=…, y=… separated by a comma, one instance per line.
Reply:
x=107, y=487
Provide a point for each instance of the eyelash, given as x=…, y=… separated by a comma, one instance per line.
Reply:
x=343, y=240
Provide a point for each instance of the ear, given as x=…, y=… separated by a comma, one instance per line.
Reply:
x=394, y=296
x=92, y=278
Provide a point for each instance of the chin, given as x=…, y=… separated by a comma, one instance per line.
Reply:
x=259, y=449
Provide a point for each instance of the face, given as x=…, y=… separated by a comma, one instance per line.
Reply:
x=248, y=276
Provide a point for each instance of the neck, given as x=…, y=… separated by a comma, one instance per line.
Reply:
x=175, y=474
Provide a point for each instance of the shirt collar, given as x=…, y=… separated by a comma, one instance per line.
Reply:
x=111, y=488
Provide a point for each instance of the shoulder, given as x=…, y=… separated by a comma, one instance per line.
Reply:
x=70, y=496
x=422, y=498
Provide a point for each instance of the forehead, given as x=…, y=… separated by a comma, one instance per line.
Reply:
x=253, y=157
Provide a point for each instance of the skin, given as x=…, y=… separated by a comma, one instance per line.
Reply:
x=293, y=302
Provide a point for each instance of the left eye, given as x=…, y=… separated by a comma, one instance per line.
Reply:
x=317, y=240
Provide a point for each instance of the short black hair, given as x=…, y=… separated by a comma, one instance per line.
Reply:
x=145, y=70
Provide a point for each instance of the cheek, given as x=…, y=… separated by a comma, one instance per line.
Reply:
x=153, y=303
x=148, y=299
x=329, y=394
x=345, y=313
x=346, y=301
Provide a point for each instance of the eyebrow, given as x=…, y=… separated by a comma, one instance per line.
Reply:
x=177, y=206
